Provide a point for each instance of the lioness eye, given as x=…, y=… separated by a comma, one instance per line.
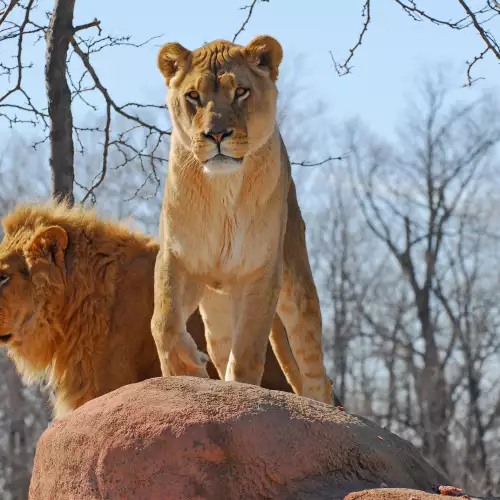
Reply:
x=193, y=96
x=241, y=92
x=3, y=279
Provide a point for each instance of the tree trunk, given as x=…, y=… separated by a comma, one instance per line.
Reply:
x=59, y=101
x=477, y=456
x=19, y=459
x=434, y=394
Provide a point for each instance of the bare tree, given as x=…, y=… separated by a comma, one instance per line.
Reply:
x=408, y=274
x=411, y=197
x=468, y=294
x=337, y=251
x=68, y=83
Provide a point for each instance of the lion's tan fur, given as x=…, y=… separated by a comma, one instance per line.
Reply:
x=85, y=323
x=232, y=235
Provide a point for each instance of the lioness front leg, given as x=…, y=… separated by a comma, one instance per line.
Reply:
x=254, y=307
x=176, y=296
x=215, y=309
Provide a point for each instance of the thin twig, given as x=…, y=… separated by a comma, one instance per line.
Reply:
x=319, y=163
x=118, y=109
x=104, y=169
x=417, y=14
x=470, y=80
x=476, y=19
x=20, y=32
x=344, y=68
x=245, y=22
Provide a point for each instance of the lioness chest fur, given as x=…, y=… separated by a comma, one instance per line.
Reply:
x=232, y=238
x=224, y=235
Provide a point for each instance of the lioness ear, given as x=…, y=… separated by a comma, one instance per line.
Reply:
x=51, y=241
x=268, y=52
x=169, y=58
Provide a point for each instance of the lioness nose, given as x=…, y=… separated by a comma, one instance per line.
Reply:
x=218, y=135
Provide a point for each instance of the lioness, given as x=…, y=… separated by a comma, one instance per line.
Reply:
x=76, y=301
x=232, y=238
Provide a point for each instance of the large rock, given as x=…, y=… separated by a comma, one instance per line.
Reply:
x=187, y=438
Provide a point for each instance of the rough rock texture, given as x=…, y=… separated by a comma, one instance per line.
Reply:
x=393, y=494
x=396, y=494
x=187, y=438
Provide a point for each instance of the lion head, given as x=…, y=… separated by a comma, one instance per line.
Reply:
x=222, y=98
x=16, y=302
x=32, y=278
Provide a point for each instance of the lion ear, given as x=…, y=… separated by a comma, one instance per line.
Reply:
x=268, y=51
x=170, y=57
x=50, y=241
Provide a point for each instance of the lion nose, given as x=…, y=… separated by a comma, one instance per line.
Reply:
x=218, y=135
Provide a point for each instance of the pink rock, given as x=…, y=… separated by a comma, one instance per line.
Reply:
x=394, y=494
x=186, y=438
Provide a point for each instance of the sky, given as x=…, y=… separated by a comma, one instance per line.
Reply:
x=395, y=53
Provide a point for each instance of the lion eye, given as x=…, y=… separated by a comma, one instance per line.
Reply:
x=241, y=92
x=3, y=279
x=193, y=96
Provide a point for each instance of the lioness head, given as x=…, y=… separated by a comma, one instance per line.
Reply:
x=31, y=277
x=222, y=98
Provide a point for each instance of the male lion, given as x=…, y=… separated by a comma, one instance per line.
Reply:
x=232, y=238
x=76, y=301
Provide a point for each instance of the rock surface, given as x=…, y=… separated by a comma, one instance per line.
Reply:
x=398, y=494
x=187, y=438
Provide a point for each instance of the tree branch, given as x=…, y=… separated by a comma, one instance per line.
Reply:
x=488, y=39
x=19, y=31
x=93, y=24
x=322, y=162
x=247, y=19
x=344, y=68
x=124, y=141
x=90, y=192
x=8, y=10
x=473, y=19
